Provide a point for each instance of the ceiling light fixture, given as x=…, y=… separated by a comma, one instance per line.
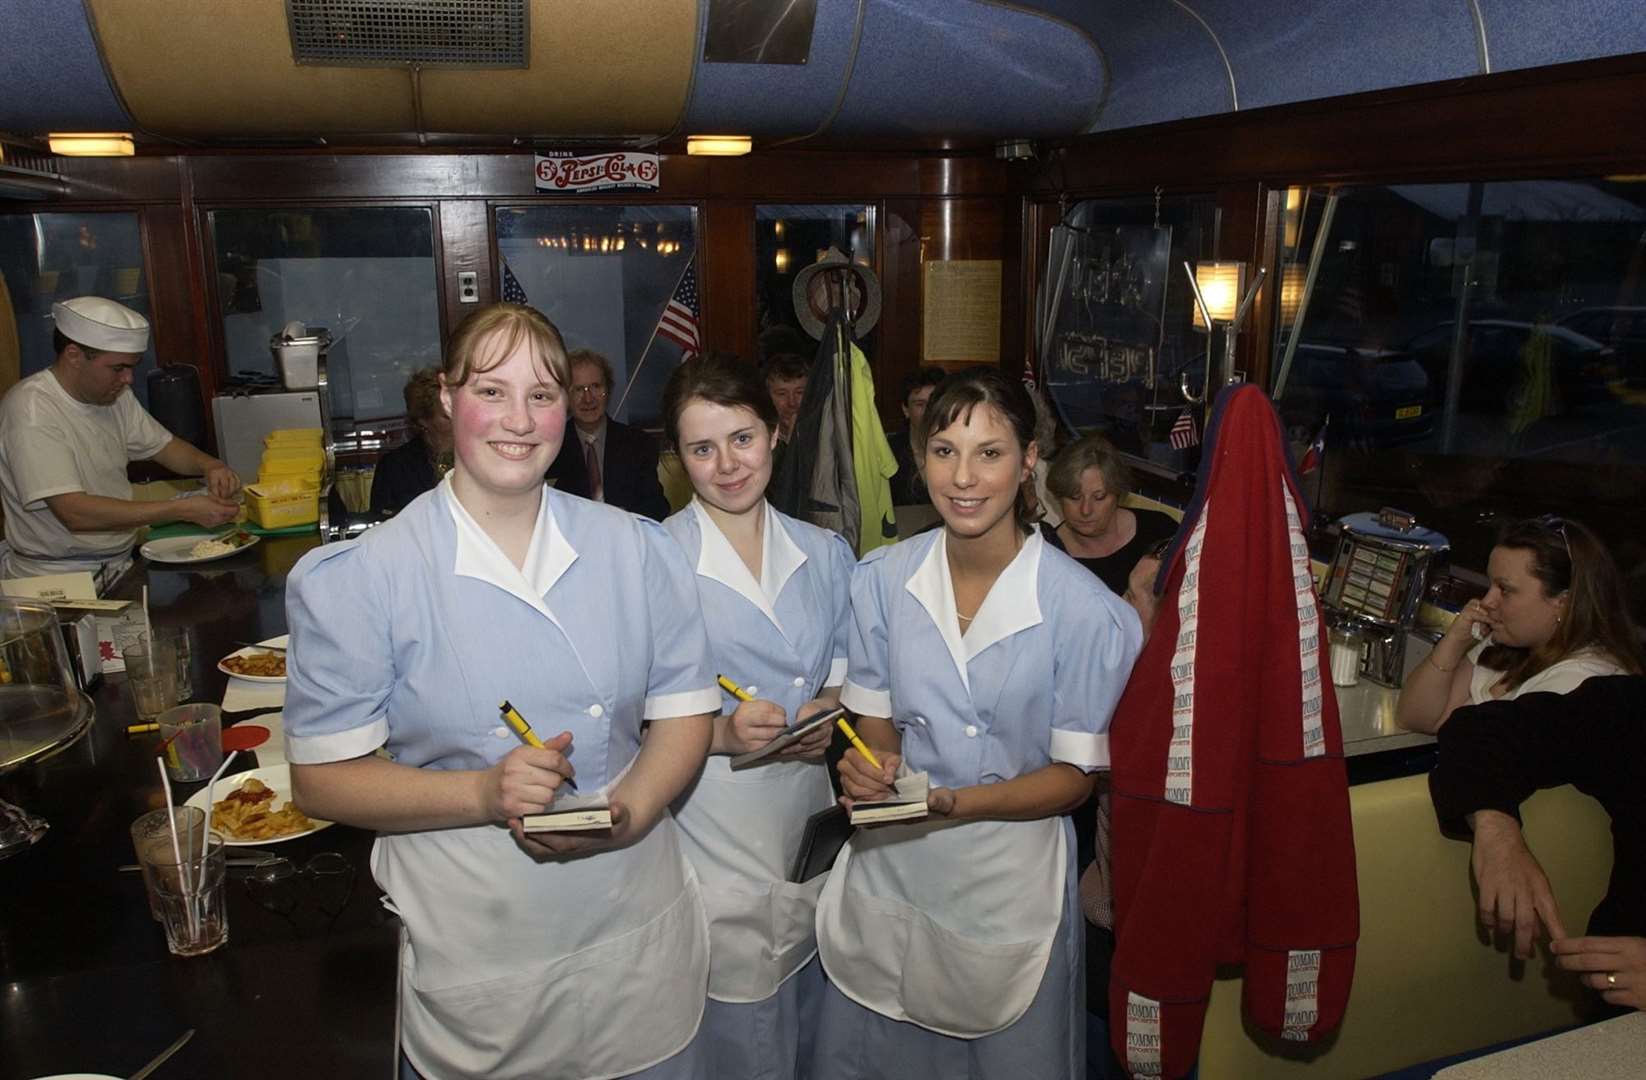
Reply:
x=719, y=145
x=91, y=144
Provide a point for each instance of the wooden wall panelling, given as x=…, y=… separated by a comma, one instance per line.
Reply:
x=1240, y=213
x=169, y=256
x=898, y=351
x=726, y=274
x=1015, y=306
x=464, y=242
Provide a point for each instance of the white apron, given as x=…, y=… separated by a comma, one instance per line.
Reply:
x=748, y=829
x=946, y=925
x=595, y=966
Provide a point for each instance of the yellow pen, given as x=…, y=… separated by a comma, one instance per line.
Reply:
x=513, y=718
x=862, y=747
x=141, y=729
x=733, y=689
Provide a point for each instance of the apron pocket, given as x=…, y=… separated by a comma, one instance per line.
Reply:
x=967, y=988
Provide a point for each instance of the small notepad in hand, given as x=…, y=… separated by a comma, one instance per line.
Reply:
x=572, y=813
x=907, y=803
x=789, y=737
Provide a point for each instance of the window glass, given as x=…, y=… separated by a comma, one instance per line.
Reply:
x=1479, y=350
x=45, y=258
x=366, y=274
x=788, y=238
x=1118, y=354
x=605, y=274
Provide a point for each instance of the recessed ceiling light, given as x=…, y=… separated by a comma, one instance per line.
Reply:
x=719, y=145
x=91, y=143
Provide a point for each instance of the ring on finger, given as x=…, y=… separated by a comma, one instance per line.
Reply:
x=1611, y=979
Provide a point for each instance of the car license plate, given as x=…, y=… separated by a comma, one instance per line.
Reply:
x=1408, y=412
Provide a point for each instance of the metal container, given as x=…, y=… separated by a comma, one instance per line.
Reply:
x=1376, y=584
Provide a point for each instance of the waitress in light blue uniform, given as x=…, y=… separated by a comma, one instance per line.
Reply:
x=525, y=956
x=992, y=662
x=775, y=595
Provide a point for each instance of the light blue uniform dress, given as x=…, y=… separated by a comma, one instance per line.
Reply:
x=408, y=639
x=955, y=949
x=783, y=638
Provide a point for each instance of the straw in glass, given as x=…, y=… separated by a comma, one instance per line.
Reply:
x=185, y=879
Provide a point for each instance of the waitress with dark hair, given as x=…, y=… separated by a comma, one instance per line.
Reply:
x=775, y=596
x=990, y=661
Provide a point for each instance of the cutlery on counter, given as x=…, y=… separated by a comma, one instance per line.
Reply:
x=160, y=1058
x=265, y=648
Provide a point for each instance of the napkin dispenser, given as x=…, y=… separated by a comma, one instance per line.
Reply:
x=85, y=657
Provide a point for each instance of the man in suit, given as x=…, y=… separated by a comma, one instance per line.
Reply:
x=619, y=462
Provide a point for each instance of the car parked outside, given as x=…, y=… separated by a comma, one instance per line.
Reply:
x=1494, y=362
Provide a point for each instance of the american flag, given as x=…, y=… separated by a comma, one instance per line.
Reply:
x=1316, y=453
x=679, y=321
x=512, y=292
x=1183, y=434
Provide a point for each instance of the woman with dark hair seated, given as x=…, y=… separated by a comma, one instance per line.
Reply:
x=1088, y=479
x=414, y=467
x=1552, y=618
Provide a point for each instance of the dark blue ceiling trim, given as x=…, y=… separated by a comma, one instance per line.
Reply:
x=1532, y=33
x=51, y=77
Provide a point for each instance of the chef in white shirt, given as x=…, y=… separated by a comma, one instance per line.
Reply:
x=992, y=662
x=66, y=436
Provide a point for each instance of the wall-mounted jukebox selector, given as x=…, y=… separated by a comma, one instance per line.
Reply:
x=468, y=287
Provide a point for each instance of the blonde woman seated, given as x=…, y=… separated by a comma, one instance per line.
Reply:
x=1550, y=620
x=1088, y=480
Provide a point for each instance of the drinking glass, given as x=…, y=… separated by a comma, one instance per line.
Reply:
x=151, y=673
x=191, y=896
x=192, y=738
x=151, y=839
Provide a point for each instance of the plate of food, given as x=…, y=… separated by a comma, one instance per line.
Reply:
x=255, y=807
x=263, y=662
x=198, y=549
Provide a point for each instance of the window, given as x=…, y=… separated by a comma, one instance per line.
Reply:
x=366, y=274
x=45, y=258
x=788, y=238
x=604, y=274
x=1480, y=350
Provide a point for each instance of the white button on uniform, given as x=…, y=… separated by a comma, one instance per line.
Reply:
x=971, y=731
x=501, y=732
x=596, y=710
x=798, y=681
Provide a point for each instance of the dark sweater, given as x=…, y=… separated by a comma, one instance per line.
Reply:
x=1494, y=755
x=1113, y=570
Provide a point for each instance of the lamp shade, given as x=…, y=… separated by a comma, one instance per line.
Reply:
x=719, y=145
x=1221, y=286
x=91, y=144
x=1292, y=276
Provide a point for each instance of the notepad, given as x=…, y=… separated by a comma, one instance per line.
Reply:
x=572, y=813
x=790, y=736
x=907, y=803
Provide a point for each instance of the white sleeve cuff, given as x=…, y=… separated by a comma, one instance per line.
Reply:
x=837, y=672
x=337, y=745
x=1082, y=749
x=866, y=702
x=684, y=703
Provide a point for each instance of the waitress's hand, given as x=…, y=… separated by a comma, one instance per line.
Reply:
x=860, y=780
x=812, y=746
x=527, y=780
x=547, y=846
x=940, y=801
x=753, y=725
x=1615, y=966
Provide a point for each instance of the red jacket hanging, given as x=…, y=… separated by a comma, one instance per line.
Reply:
x=1232, y=840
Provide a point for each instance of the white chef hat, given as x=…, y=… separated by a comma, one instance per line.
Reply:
x=101, y=324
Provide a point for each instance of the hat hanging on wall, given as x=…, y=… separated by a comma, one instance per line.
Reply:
x=830, y=282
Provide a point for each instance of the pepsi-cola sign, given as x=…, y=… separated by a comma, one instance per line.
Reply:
x=621, y=170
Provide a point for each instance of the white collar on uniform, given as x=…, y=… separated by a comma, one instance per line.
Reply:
x=478, y=555
x=780, y=557
x=1012, y=604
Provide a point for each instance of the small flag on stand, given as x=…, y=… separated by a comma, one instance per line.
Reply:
x=1316, y=453
x=679, y=321
x=1184, y=434
x=512, y=292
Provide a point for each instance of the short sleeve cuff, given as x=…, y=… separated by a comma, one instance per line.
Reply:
x=684, y=703
x=837, y=672
x=337, y=745
x=865, y=702
x=1082, y=749
x=36, y=500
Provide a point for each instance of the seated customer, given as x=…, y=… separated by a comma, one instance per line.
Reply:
x=1552, y=618
x=416, y=465
x=1088, y=479
x=1493, y=756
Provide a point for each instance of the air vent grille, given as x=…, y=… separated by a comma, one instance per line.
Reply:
x=396, y=33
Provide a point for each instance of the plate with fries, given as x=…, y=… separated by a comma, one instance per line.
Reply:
x=257, y=663
x=254, y=808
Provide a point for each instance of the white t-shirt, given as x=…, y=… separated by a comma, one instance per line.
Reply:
x=1561, y=677
x=51, y=444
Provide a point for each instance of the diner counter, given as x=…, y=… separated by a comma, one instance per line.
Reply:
x=305, y=985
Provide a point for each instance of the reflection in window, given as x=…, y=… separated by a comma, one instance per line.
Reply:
x=366, y=274
x=45, y=258
x=604, y=275
x=1479, y=348
x=788, y=238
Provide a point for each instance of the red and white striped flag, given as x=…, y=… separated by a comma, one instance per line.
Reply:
x=1184, y=434
x=679, y=321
